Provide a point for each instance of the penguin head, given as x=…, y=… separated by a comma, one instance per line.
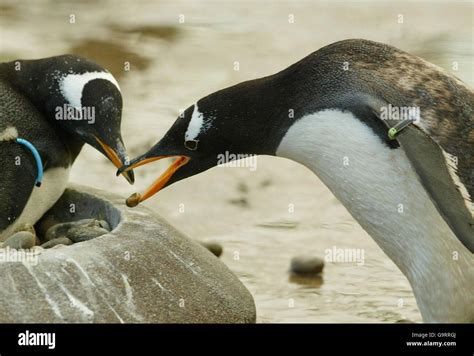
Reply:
x=95, y=101
x=81, y=98
x=217, y=129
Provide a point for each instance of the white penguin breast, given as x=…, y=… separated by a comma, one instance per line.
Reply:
x=382, y=191
x=41, y=199
x=377, y=184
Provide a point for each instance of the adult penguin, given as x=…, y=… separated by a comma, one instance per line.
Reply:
x=391, y=135
x=49, y=108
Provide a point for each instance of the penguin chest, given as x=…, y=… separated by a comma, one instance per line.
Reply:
x=382, y=191
x=41, y=199
x=376, y=183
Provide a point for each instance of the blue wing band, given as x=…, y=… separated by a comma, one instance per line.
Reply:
x=36, y=155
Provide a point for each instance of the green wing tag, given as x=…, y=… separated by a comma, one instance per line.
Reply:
x=393, y=131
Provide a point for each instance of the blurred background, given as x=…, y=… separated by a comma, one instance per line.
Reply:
x=179, y=51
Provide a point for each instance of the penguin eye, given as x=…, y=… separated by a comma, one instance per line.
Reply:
x=191, y=144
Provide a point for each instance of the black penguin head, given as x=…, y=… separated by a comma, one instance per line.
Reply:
x=80, y=97
x=93, y=113
x=217, y=129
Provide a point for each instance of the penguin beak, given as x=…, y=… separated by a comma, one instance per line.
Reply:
x=137, y=198
x=117, y=157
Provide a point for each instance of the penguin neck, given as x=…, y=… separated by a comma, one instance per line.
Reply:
x=72, y=143
x=31, y=80
x=380, y=189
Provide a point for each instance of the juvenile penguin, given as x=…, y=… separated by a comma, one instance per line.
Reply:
x=49, y=108
x=405, y=126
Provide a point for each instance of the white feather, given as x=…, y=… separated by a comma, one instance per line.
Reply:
x=9, y=134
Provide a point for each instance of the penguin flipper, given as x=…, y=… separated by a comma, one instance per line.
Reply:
x=431, y=164
x=17, y=181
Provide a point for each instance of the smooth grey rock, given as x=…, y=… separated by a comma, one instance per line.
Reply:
x=215, y=248
x=306, y=265
x=20, y=240
x=58, y=241
x=142, y=271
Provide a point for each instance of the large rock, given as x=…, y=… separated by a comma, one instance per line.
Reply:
x=142, y=271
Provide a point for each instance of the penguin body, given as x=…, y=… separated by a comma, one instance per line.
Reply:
x=327, y=112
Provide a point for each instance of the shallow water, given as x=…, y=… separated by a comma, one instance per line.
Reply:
x=173, y=64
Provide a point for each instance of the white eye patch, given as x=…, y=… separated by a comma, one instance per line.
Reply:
x=71, y=85
x=197, y=125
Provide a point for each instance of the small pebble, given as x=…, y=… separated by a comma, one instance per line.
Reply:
x=57, y=246
x=60, y=230
x=20, y=240
x=85, y=233
x=133, y=200
x=215, y=248
x=26, y=227
x=306, y=265
x=104, y=224
x=58, y=241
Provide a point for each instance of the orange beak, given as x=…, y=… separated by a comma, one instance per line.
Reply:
x=115, y=159
x=137, y=198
